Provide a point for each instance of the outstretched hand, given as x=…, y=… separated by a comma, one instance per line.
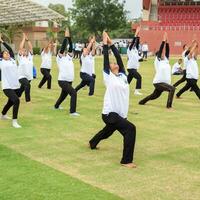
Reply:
x=25, y=36
x=138, y=30
x=109, y=40
x=105, y=37
x=67, y=33
x=165, y=37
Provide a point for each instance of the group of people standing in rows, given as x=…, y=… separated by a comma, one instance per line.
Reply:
x=17, y=79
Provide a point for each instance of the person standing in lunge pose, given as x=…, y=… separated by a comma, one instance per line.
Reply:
x=192, y=71
x=25, y=67
x=46, y=65
x=10, y=83
x=162, y=79
x=87, y=67
x=116, y=104
x=133, y=62
x=66, y=75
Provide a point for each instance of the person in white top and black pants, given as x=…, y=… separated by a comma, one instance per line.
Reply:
x=87, y=73
x=176, y=69
x=46, y=65
x=116, y=104
x=183, y=79
x=192, y=71
x=66, y=75
x=25, y=67
x=133, y=62
x=162, y=79
x=10, y=83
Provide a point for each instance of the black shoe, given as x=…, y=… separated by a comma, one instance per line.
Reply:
x=141, y=103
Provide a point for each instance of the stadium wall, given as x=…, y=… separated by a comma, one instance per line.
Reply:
x=176, y=39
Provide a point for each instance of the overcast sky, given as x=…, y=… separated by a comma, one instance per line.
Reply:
x=134, y=6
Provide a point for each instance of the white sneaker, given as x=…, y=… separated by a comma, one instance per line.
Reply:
x=5, y=117
x=15, y=124
x=137, y=93
x=75, y=114
x=59, y=108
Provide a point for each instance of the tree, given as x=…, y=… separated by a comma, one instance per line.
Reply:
x=95, y=16
x=10, y=31
x=59, y=8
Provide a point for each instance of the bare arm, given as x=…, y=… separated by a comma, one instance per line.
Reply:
x=94, y=48
x=136, y=40
x=194, y=50
x=90, y=45
x=30, y=46
x=22, y=43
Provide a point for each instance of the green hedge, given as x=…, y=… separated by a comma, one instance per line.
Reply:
x=36, y=51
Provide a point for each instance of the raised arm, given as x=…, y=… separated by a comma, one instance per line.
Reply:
x=70, y=45
x=167, y=50
x=194, y=50
x=94, y=47
x=12, y=55
x=22, y=43
x=135, y=41
x=132, y=43
x=190, y=47
x=30, y=46
x=161, y=49
x=90, y=44
x=117, y=56
x=106, y=66
x=162, y=46
x=64, y=45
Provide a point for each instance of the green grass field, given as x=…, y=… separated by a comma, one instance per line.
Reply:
x=49, y=159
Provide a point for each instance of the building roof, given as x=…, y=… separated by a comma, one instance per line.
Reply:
x=23, y=11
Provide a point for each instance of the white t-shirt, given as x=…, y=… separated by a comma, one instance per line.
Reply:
x=176, y=68
x=163, y=71
x=66, y=68
x=25, y=67
x=9, y=74
x=145, y=47
x=192, y=70
x=87, y=64
x=183, y=57
x=116, y=98
x=46, y=60
x=78, y=47
x=133, y=58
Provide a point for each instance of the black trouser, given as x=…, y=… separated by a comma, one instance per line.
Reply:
x=159, y=89
x=67, y=89
x=77, y=54
x=191, y=83
x=145, y=54
x=87, y=80
x=128, y=130
x=181, y=80
x=26, y=87
x=177, y=73
x=13, y=100
x=133, y=73
x=46, y=78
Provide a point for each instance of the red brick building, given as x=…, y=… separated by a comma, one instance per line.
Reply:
x=180, y=18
